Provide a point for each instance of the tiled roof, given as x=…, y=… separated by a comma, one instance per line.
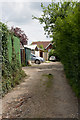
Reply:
x=44, y=43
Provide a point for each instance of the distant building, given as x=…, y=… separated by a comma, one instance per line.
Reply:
x=34, y=49
x=44, y=48
x=47, y=45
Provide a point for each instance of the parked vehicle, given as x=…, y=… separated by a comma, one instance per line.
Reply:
x=36, y=59
x=52, y=58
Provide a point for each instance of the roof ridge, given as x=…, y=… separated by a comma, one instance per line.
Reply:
x=41, y=41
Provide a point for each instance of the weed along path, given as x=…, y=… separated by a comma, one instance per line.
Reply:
x=44, y=93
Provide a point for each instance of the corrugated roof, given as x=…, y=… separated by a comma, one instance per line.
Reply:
x=32, y=47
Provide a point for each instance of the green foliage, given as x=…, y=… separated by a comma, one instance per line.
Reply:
x=41, y=46
x=11, y=70
x=23, y=64
x=67, y=37
x=51, y=13
x=62, y=23
x=51, y=53
x=49, y=81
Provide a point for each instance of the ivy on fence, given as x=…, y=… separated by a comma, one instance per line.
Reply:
x=11, y=70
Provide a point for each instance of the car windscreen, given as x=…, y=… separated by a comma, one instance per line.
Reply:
x=33, y=55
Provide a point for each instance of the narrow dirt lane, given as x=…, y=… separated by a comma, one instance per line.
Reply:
x=44, y=93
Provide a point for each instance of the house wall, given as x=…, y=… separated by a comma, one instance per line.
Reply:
x=45, y=56
x=37, y=53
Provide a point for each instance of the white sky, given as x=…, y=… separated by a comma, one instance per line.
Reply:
x=18, y=13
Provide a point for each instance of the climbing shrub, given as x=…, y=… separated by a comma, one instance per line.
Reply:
x=11, y=70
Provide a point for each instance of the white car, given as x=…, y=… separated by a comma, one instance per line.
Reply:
x=52, y=58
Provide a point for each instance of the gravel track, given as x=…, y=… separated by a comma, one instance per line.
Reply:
x=44, y=93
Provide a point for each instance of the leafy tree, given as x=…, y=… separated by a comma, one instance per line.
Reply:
x=19, y=33
x=62, y=23
x=51, y=53
x=51, y=13
x=41, y=46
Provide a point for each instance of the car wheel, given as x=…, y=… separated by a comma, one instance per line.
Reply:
x=37, y=61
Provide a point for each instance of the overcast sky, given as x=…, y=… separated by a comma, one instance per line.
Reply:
x=19, y=14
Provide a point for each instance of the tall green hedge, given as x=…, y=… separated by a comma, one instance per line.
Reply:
x=68, y=37
x=62, y=23
x=11, y=65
